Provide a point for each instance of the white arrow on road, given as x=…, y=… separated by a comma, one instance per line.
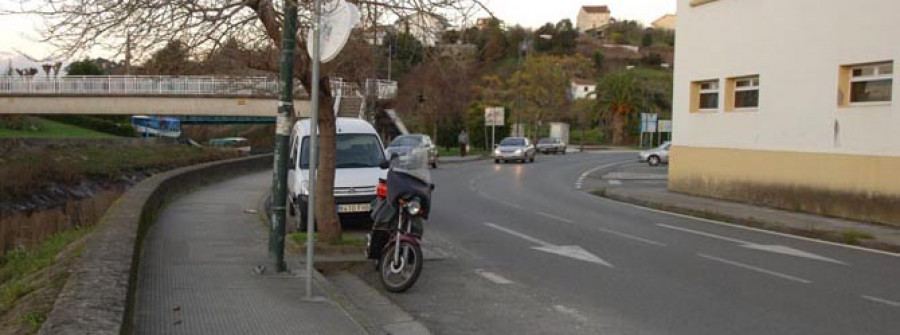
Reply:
x=571, y=251
x=778, y=249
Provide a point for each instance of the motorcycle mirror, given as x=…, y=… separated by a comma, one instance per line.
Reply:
x=432, y=187
x=384, y=165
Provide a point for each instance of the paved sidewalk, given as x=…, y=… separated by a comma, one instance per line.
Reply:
x=196, y=272
x=640, y=184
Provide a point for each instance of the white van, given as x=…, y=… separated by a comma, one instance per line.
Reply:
x=358, y=157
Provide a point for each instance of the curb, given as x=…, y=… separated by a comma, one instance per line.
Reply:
x=98, y=297
x=817, y=234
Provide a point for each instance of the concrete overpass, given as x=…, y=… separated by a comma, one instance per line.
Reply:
x=162, y=95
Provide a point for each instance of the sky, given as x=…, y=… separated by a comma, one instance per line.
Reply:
x=19, y=33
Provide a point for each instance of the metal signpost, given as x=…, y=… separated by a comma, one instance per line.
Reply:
x=493, y=117
x=313, y=146
x=648, y=125
x=665, y=126
x=282, y=136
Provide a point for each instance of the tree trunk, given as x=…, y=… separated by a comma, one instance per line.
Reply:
x=327, y=220
x=618, y=126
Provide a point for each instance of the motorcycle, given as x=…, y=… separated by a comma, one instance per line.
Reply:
x=398, y=214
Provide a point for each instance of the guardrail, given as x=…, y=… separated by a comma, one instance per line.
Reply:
x=141, y=85
x=175, y=85
x=381, y=89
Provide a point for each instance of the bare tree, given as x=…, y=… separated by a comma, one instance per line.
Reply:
x=84, y=25
x=47, y=68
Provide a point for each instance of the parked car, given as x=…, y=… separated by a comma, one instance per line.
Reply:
x=358, y=158
x=514, y=149
x=415, y=141
x=656, y=156
x=551, y=144
x=237, y=143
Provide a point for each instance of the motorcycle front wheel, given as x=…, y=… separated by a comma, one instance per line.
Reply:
x=399, y=276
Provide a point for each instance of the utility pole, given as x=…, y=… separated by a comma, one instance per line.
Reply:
x=523, y=47
x=313, y=141
x=282, y=136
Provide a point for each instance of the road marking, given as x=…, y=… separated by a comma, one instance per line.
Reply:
x=757, y=230
x=584, y=175
x=614, y=182
x=518, y=234
x=778, y=249
x=555, y=217
x=493, y=277
x=510, y=204
x=571, y=251
x=631, y=237
x=571, y=312
x=757, y=269
x=881, y=301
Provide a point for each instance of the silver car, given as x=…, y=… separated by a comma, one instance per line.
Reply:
x=551, y=144
x=514, y=149
x=656, y=156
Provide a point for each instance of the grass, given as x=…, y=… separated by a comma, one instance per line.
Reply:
x=18, y=265
x=853, y=237
x=454, y=151
x=351, y=241
x=53, y=129
x=26, y=171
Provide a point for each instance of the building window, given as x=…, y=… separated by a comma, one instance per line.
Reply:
x=871, y=82
x=742, y=93
x=705, y=96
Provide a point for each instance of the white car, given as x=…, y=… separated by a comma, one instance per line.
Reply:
x=656, y=156
x=359, y=155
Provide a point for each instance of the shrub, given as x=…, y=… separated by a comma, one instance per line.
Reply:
x=95, y=123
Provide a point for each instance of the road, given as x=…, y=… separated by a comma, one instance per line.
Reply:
x=520, y=249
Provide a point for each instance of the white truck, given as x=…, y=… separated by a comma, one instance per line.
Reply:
x=359, y=154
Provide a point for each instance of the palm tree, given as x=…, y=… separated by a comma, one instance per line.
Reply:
x=619, y=96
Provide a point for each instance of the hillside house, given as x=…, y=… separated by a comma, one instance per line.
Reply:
x=425, y=27
x=593, y=18
x=582, y=89
x=665, y=22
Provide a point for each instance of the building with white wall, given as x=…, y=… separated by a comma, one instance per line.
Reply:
x=582, y=88
x=785, y=112
x=426, y=27
x=592, y=18
x=665, y=22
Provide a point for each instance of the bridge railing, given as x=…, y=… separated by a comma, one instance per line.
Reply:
x=381, y=89
x=141, y=85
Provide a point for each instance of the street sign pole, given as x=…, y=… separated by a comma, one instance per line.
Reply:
x=282, y=137
x=313, y=144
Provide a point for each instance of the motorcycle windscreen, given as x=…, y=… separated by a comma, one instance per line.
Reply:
x=401, y=185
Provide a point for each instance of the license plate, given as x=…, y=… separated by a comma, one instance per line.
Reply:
x=354, y=208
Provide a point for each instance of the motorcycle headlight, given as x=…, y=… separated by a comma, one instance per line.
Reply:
x=414, y=207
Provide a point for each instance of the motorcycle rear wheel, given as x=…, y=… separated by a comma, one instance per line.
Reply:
x=400, y=277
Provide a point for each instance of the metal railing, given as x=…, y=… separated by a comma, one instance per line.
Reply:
x=176, y=85
x=140, y=85
x=381, y=89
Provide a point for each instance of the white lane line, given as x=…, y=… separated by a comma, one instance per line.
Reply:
x=757, y=269
x=631, y=237
x=881, y=301
x=571, y=312
x=519, y=235
x=510, y=204
x=757, y=230
x=614, y=182
x=493, y=277
x=558, y=218
x=584, y=175
x=710, y=235
x=778, y=249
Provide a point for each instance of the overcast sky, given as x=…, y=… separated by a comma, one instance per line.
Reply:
x=19, y=32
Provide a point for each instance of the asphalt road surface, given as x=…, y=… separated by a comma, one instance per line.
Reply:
x=520, y=249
